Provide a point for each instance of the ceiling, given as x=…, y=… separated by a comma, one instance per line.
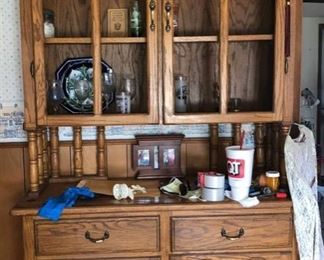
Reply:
x=314, y=9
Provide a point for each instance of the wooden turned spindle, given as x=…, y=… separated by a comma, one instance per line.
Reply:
x=284, y=130
x=33, y=161
x=77, y=147
x=268, y=149
x=275, y=146
x=213, y=146
x=54, y=147
x=101, y=151
x=259, y=148
x=39, y=134
x=45, y=153
x=237, y=134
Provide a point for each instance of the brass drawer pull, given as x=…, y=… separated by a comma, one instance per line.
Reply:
x=96, y=240
x=168, y=11
x=152, y=8
x=233, y=237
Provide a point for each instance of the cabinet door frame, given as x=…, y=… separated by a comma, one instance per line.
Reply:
x=223, y=116
x=97, y=118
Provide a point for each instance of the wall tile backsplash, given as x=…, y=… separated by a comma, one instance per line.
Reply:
x=11, y=91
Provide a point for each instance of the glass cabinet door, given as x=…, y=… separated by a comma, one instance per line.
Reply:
x=95, y=59
x=223, y=60
x=191, y=55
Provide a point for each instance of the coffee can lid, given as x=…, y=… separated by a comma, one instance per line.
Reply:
x=272, y=174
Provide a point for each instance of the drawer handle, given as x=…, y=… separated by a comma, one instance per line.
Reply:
x=96, y=240
x=232, y=237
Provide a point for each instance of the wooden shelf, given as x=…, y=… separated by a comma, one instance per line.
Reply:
x=252, y=37
x=68, y=40
x=195, y=39
x=231, y=38
x=123, y=40
x=88, y=40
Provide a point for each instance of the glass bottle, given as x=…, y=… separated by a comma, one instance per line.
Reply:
x=181, y=94
x=135, y=20
x=49, y=29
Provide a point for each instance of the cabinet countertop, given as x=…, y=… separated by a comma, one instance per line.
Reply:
x=106, y=204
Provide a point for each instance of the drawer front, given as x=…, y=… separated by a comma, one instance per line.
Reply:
x=246, y=256
x=129, y=234
x=205, y=233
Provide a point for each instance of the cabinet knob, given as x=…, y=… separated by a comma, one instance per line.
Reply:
x=105, y=236
x=168, y=13
x=232, y=237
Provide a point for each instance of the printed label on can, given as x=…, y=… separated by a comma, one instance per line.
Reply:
x=235, y=168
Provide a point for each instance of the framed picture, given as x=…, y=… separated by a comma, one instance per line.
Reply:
x=169, y=157
x=157, y=156
x=143, y=157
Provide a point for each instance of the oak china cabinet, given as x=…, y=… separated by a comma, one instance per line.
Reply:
x=194, y=61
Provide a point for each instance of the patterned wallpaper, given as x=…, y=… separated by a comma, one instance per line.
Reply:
x=11, y=93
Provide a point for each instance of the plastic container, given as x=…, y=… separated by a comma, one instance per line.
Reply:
x=239, y=169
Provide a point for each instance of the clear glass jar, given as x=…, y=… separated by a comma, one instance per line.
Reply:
x=181, y=93
x=272, y=180
x=49, y=29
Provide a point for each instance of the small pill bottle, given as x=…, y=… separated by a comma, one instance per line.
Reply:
x=272, y=180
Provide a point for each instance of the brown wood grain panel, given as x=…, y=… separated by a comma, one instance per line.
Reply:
x=12, y=189
x=117, y=161
x=78, y=12
x=253, y=82
x=89, y=159
x=240, y=256
x=199, y=63
x=197, y=157
x=67, y=235
x=65, y=168
x=198, y=18
x=204, y=233
x=251, y=16
x=131, y=172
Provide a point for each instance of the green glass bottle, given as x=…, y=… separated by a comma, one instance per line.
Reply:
x=135, y=20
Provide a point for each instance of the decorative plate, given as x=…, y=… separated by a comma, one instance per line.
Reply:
x=69, y=73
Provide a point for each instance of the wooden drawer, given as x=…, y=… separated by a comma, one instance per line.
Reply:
x=126, y=234
x=204, y=233
x=246, y=256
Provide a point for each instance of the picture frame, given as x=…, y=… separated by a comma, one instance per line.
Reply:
x=157, y=157
x=143, y=157
x=117, y=22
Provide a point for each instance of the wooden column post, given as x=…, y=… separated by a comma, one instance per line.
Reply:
x=39, y=134
x=259, y=148
x=101, y=151
x=33, y=161
x=275, y=146
x=54, y=147
x=45, y=153
x=269, y=143
x=213, y=146
x=237, y=134
x=283, y=134
x=77, y=146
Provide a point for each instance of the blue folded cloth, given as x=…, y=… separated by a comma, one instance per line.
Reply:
x=53, y=207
